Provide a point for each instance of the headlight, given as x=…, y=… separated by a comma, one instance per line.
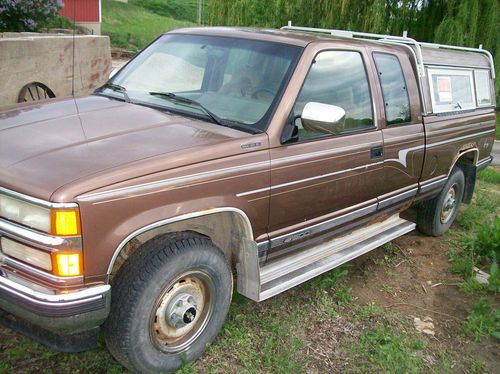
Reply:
x=62, y=257
x=25, y=213
x=26, y=254
x=62, y=222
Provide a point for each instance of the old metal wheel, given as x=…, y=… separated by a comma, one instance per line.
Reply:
x=449, y=203
x=182, y=311
x=35, y=91
x=435, y=216
x=170, y=300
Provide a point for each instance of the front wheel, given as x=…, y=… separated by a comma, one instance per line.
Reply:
x=169, y=301
x=435, y=216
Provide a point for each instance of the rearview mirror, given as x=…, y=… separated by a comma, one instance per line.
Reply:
x=323, y=118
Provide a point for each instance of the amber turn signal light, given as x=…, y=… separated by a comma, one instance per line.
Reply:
x=67, y=264
x=65, y=222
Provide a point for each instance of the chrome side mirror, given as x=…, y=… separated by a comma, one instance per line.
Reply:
x=323, y=118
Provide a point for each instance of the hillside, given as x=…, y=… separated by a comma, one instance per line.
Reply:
x=183, y=10
x=134, y=25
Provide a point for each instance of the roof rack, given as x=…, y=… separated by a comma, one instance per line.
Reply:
x=391, y=39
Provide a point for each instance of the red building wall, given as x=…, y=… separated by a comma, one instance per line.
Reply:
x=81, y=10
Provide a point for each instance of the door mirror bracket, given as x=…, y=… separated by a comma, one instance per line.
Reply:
x=290, y=133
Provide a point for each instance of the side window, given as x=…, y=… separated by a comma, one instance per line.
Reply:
x=451, y=90
x=396, y=101
x=483, y=90
x=337, y=78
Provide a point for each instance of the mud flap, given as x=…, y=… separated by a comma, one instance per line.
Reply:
x=470, y=181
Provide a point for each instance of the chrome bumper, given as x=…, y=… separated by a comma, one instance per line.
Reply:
x=48, y=307
x=60, y=313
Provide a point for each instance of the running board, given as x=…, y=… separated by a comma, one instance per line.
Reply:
x=285, y=273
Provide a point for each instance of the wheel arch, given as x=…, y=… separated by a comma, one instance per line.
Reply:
x=228, y=227
x=469, y=156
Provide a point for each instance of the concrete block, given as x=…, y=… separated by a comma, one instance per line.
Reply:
x=48, y=59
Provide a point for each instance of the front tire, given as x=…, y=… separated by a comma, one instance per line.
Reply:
x=435, y=216
x=170, y=299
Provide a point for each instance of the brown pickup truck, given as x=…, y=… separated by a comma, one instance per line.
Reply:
x=270, y=155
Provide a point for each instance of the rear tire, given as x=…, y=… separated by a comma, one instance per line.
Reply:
x=169, y=301
x=435, y=216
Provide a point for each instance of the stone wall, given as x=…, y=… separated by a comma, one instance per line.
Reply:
x=48, y=59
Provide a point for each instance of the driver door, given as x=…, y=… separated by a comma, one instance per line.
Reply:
x=323, y=181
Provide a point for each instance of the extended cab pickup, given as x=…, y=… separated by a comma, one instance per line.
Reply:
x=276, y=154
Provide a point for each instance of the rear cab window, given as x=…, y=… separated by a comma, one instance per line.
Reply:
x=394, y=88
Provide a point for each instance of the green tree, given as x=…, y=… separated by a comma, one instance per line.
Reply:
x=463, y=23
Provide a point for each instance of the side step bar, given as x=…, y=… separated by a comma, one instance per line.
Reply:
x=285, y=273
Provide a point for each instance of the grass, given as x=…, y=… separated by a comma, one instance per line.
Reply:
x=485, y=204
x=270, y=342
x=132, y=27
x=27, y=356
x=489, y=175
x=184, y=10
x=383, y=350
x=475, y=244
x=477, y=366
x=484, y=320
x=475, y=232
x=330, y=279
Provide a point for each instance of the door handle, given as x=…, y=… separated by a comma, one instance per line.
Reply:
x=376, y=152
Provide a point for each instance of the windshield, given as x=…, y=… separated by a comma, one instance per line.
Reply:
x=231, y=80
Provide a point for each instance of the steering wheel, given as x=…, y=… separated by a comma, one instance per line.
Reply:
x=257, y=93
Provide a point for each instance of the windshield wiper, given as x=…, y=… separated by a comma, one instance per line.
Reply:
x=218, y=120
x=116, y=88
x=187, y=100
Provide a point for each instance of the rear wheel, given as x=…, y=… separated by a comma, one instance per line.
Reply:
x=169, y=301
x=435, y=216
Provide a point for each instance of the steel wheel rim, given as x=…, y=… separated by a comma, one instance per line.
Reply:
x=449, y=204
x=190, y=297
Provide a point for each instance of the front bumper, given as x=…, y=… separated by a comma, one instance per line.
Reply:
x=58, y=304
x=65, y=322
x=65, y=313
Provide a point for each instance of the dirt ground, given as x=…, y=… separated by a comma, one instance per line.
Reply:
x=422, y=286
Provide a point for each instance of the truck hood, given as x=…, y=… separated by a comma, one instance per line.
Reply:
x=45, y=146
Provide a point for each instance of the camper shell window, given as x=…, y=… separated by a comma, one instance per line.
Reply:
x=483, y=88
x=455, y=89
